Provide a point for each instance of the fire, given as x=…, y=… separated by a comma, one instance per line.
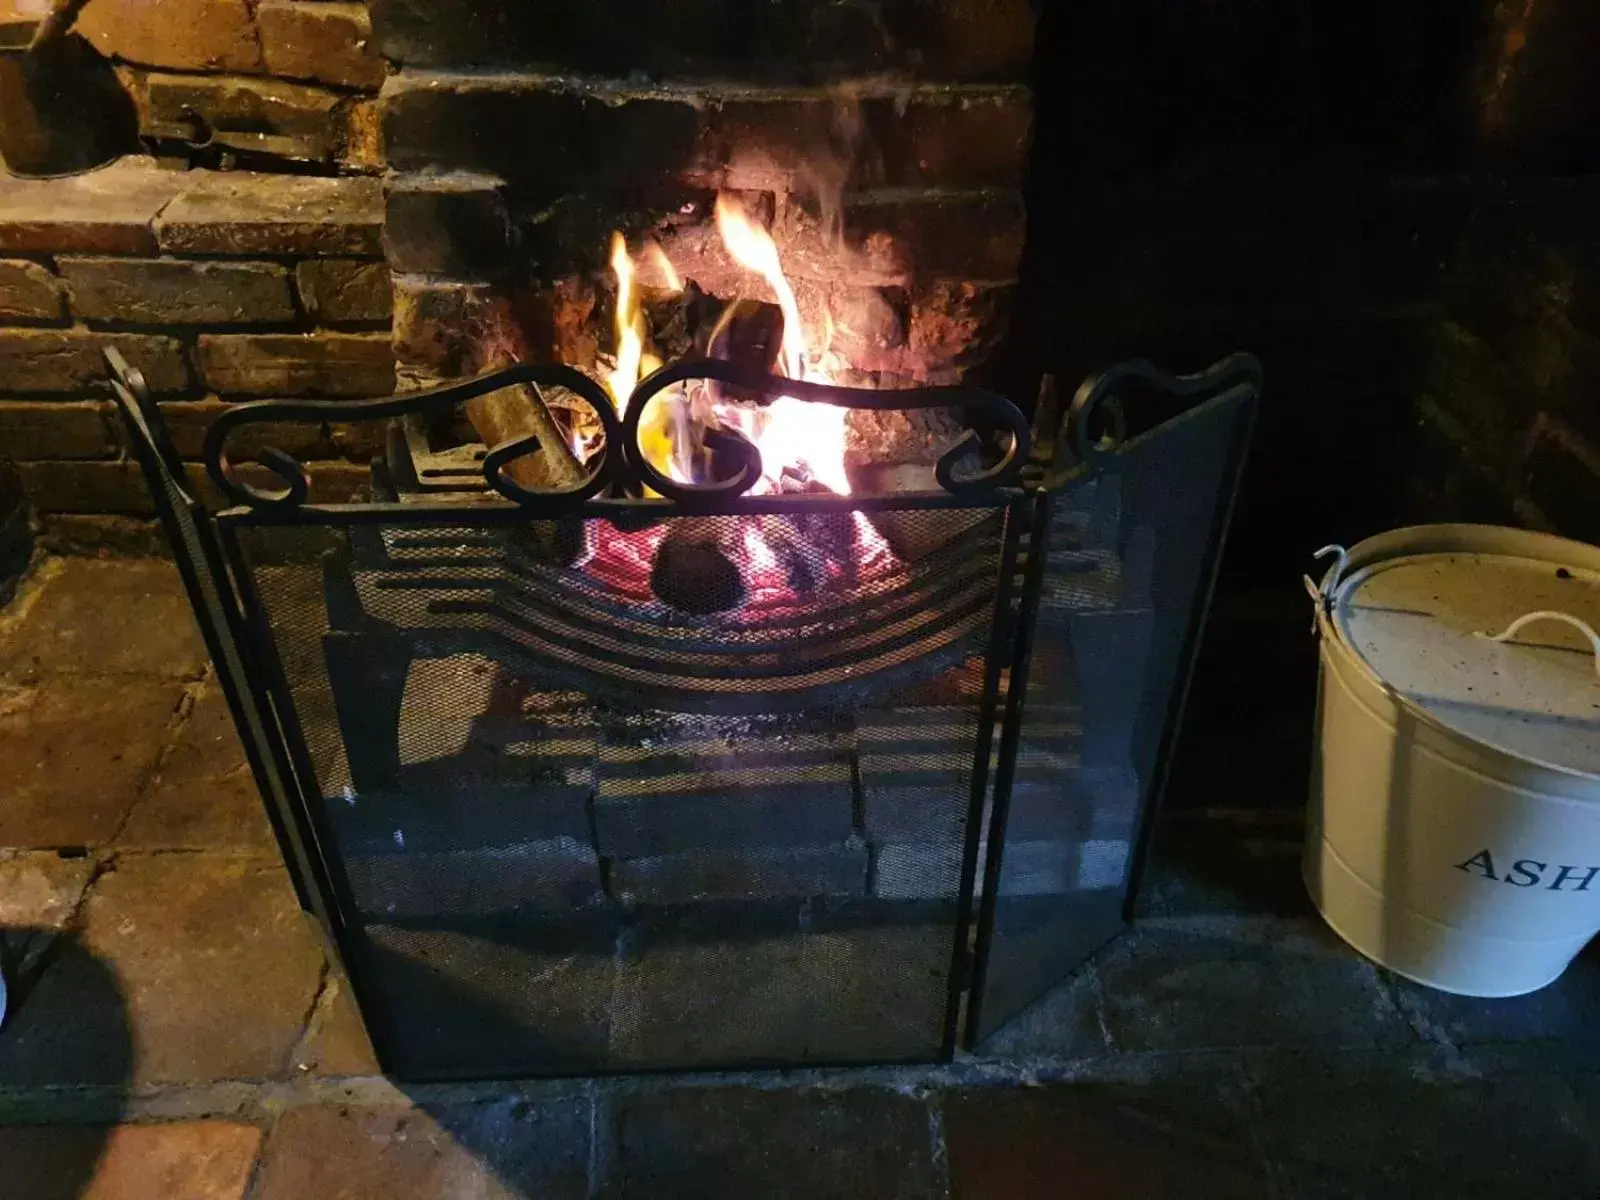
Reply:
x=801, y=444
x=754, y=250
x=789, y=433
x=664, y=268
x=630, y=326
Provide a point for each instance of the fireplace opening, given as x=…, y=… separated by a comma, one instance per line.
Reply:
x=717, y=672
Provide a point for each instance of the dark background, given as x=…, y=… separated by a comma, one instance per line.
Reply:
x=1390, y=203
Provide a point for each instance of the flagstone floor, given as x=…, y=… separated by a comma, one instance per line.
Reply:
x=176, y=1032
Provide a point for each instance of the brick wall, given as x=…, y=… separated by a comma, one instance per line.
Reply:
x=262, y=81
x=522, y=136
x=218, y=286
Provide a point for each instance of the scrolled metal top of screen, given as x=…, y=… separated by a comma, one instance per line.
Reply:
x=621, y=470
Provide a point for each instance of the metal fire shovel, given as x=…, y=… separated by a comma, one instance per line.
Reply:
x=62, y=109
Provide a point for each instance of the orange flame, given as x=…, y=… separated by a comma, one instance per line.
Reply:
x=753, y=249
x=630, y=340
x=664, y=267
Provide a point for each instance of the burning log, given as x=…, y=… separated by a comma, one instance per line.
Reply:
x=518, y=412
x=694, y=571
x=749, y=334
x=896, y=451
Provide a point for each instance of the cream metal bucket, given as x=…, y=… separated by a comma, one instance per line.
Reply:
x=1454, y=822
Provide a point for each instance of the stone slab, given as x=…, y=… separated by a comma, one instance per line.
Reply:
x=1369, y=1129
x=764, y=873
x=182, y=1160
x=328, y=41
x=247, y=113
x=203, y=796
x=111, y=616
x=503, y=1149
x=74, y=753
x=1067, y=1022
x=336, y=1041
x=39, y=892
x=1563, y=1018
x=221, y=813
x=491, y=998
x=241, y=213
x=215, y=970
x=1197, y=985
x=666, y=1015
x=1100, y=1142
x=878, y=990
x=108, y=211
x=785, y=1144
x=554, y=875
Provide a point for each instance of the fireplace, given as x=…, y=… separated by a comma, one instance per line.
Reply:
x=722, y=670
x=867, y=774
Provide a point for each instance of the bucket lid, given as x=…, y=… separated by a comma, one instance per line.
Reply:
x=1427, y=623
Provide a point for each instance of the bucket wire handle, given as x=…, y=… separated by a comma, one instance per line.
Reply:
x=1546, y=614
x=1322, y=593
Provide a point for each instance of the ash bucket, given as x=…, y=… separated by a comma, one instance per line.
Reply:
x=1454, y=831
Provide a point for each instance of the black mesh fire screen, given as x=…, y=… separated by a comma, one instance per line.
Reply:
x=600, y=783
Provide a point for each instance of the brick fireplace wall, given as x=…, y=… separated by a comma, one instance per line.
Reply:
x=291, y=82
x=519, y=137
x=262, y=279
x=219, y=286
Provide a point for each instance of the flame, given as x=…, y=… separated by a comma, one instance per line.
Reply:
x=753, y=249
x=788, y=432
x=630, y=339
x=664, y=267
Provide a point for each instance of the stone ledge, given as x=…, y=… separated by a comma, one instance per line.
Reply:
x=238, y=213
x=108, y=211
x=136, y=207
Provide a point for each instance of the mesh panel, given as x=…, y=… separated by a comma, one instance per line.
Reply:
x=690, y=795
x=1126, y=555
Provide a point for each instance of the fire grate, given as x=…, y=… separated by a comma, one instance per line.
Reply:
x=564, y=809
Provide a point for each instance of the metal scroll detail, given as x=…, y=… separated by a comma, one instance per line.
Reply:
x=620, y=464
x=296, y=480
x=1098, y=401
x=748, y=469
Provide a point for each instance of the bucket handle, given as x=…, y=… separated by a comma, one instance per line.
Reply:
x=1546, y=614
x=1322, y=594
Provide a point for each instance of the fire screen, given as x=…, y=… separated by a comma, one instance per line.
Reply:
x=714, y=770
